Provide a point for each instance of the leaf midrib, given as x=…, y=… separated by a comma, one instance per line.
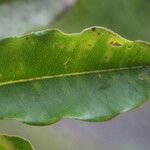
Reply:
x=71, y=74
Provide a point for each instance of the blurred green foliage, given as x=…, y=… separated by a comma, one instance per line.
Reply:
x=130, y=18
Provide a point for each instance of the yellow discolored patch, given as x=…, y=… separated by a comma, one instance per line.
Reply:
x=70, y=46
x=108, y=55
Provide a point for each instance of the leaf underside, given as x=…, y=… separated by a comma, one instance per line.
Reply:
x=14, y=143
x=92, y=76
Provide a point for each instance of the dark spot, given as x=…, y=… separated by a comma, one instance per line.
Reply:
x=27, y=38
x=98, y=33
x=115, y=44
x=93, y=28
x=90, y=45
x=10, y=70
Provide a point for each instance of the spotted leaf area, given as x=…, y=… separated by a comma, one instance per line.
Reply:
x=93, y=75
x=14, y=143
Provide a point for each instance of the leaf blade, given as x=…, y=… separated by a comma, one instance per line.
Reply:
x=48, y=89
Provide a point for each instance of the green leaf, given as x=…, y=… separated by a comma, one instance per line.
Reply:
x=129, y=18
x=21, y=16
x=14, y=143
x=93, y=76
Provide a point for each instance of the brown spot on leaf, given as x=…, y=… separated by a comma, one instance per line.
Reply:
x=115, y=43
x=93, y=28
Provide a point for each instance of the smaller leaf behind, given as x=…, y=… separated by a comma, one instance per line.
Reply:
x=8, y=142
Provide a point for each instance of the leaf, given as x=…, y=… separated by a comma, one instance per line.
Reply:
x=14, y=143
x=20, y=16
x=129, y=18
x=93, y=76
